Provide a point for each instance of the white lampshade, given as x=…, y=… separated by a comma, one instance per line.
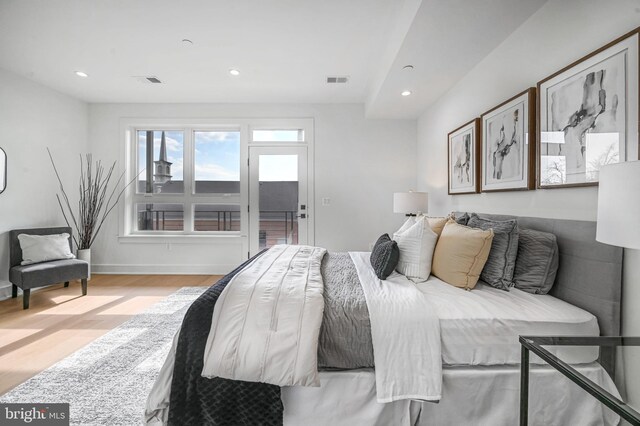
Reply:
x=410, y=202
x=619, y=205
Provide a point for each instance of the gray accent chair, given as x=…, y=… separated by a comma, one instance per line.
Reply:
x=45, y=273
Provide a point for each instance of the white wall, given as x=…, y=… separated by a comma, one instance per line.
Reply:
x=359, y=163
x=559, y=33
x=32, y=118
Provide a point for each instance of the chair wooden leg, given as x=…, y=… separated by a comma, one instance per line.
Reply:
x=14, y=291
x=84, y=286
x=66, y=284
x=25, y=298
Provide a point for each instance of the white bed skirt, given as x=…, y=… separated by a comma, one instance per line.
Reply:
x=470, y=396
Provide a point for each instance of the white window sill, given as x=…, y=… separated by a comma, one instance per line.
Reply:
x=232, y=238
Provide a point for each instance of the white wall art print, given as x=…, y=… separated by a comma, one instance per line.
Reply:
x=589, y=115
x=462, y=145
x=508, y=144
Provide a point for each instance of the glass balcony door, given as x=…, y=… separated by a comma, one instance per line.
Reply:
x=278, y=208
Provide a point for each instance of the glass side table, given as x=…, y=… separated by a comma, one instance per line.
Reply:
x=607, y=346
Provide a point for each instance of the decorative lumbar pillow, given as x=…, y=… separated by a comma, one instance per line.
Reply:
x=416, y=241
x=537, y=261
x=461, y=254
x=498, y=271
x=43, y=248
x=384, y=256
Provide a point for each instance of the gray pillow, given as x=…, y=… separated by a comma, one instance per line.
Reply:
x=498, y=271
x=461, y=219
x=384, y=256
x=537, y=262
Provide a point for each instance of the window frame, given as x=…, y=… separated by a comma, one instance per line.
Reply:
x=188, y=198
x=127, y=221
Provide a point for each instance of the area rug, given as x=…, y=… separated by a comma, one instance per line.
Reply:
x=107, y=381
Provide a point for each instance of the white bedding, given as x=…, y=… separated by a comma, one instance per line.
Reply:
x=483, y=396
x=266, y=322
x=481, y=326
x=405, y=334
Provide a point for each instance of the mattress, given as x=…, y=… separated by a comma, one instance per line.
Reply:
x=481, y=326
x=478, y=327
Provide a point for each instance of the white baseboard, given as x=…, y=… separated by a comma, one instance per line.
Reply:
x=5, y=290
x=206, y=269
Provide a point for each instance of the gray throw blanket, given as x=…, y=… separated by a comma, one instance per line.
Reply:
x=345, y=335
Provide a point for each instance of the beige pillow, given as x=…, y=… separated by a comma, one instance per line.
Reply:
x=460, y=254
x=437, y=223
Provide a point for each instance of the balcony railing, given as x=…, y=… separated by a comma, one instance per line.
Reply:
x=276, y=227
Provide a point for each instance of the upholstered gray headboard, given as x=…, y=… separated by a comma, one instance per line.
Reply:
x=589, y=274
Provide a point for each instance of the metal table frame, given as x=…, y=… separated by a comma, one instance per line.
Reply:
x=535, y=343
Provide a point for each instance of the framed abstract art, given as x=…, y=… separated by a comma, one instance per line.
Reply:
x=588, y=115
x=462, y=148
x=507, y=147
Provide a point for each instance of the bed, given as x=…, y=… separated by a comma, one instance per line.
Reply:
x=479, y=348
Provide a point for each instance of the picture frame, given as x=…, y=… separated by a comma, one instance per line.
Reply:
x=3, y=170
x=588, y=114
x=508, y=144
x=462, y=157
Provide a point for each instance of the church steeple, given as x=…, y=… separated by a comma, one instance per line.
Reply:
x=163, y=148
x=163, y=167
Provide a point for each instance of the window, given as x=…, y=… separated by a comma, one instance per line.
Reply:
x=188, y=181
x=160, y=161
x=160, y=217
x=217, y=162
x=191, y=176
x=217, y=217
x=278, y=135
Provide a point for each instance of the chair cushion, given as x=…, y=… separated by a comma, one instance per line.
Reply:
x=46, y=273
x=44, y=248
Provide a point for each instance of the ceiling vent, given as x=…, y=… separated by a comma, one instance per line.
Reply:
x=336, y=79
x=147, y=79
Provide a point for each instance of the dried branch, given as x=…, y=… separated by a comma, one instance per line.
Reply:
x=97, y=198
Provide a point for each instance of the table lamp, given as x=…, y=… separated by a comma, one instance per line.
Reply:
x=410, y=203
x=618, y=202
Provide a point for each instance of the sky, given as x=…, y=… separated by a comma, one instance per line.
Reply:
x=217, y=156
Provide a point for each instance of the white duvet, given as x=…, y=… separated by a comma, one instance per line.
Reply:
x=267, y=320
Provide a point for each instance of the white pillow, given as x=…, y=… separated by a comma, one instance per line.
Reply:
x=416, y=241
x=42, y=248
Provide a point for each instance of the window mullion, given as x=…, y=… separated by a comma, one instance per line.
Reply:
x=188, y=177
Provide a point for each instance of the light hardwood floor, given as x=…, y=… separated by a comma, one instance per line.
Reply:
x=61, y=321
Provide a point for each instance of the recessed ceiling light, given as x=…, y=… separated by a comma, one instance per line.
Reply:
x=407, y=67
x=187, y=41
x=406, y=93
x=234, y=72
x=82, y=74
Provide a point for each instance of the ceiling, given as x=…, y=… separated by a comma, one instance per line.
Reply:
x=284, y=49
